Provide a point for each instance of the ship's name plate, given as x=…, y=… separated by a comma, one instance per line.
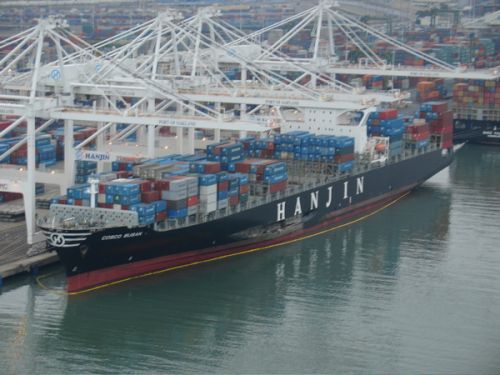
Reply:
x=120, y=236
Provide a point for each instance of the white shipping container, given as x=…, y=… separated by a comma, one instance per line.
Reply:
x=192, y=210
x=208, y=198
x=168, y=195
x=223, y=203
x=101, y=198
x=207, y=207
x=204, y=190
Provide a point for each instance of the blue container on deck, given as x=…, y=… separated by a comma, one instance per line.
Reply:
x=221, y=176
x=207, y=179
x=130, y=199
x=127, y=189
x=222, y=195
x=344, y=142
x=276, y=168
x=347, y=166
x=276, y=178
x=160, y=206
x=146, y=219
x=182, y=212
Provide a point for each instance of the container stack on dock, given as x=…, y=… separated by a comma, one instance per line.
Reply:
x=477, y=100
x=430, y=90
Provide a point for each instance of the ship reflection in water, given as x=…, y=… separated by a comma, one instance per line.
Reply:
x=403, y=291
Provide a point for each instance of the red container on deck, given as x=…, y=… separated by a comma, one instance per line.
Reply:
x=234, y=200
x=211, y=167
x=223, y=186
x=102, y=188
x=150, y=196
x=191, y=201
x=244, y=189
x=439, y=107
x=388, y=114
x=160, y=216
x=279, y=186
x=344, y=158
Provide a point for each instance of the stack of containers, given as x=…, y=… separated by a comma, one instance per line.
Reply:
x=208, y=193
x=270, y=174
x=426, y=90
x=122, y=193
x=78, y=195
x=344, y=153
x=83, y=170
x=477, y=94
x=284, y=147
x=233, y=190
x=387, y=123
x=374, y=82
x=225, y=153
x=261, y=148
x=146, y=212
x=248, y=145
x=205, y=166
x=45, y=151
x=417, y=134
x=222, y=190
x=174, y=190
x=440, y=121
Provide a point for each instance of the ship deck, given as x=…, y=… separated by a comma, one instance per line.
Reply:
x=303, y=175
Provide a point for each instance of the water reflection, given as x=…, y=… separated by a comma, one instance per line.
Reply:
x=411, y=289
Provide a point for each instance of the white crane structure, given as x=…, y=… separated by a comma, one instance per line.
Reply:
x=48, y=70
x=324, y=22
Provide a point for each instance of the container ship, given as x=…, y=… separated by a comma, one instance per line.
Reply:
x=241, y=196
x=476, y=106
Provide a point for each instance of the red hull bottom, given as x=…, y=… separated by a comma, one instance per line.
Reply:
x=86, y=282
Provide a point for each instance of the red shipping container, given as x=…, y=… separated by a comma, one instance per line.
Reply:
x=344, y=158
x=125, y=207
x=439, y=107
x=223, y=186
x=160, y=216
x=244, y=189
x=388, y=114
x=78, y=202
x=150, y=196
x=234, y=200
x=123, y=174
x=447, y=143
x=191, y=201
x=211, y=167
x=102, y=188
x=446, y=117
x=279, y=186
x=420, y=136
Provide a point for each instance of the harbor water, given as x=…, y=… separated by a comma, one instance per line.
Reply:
x=412, y=289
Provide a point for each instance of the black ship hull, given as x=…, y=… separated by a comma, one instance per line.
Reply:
x=476, y=131
x=94, y=259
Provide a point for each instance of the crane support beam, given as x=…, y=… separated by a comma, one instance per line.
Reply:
x=185, y=122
